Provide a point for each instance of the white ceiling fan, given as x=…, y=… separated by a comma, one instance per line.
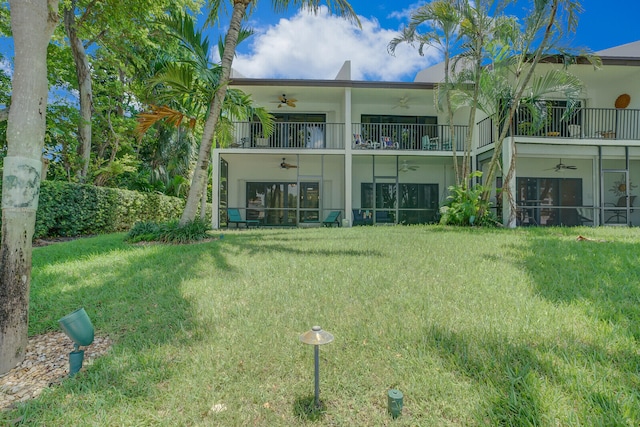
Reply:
x=406, y=167
x=402, y=102
x=286, y=102
x=561, y=167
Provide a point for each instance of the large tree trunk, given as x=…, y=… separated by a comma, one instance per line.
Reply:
x=32, y=23
x=198, y=182
x=83, y=73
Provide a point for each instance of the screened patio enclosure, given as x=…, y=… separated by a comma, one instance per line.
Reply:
x=399, y=189
x=282, y=190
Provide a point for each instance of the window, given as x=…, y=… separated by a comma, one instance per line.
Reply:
x=276, y=203
x=410, y=204
x=548, y=118
x=549, y=201
x=407, y=131
x=295, y=130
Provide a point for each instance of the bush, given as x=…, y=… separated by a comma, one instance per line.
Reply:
x=146, y=231
x=169, y=232
x=464, y=206
x=67, y=209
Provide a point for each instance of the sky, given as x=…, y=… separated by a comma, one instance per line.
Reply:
x=300, y=45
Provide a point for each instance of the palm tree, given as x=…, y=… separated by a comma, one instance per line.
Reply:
x=539, y=38
x=183, y=89
x=491, y=38
x=442, y=18
x=240, y=9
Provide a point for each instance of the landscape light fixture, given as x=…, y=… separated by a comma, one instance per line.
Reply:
x=78, y=327
x=316, y=337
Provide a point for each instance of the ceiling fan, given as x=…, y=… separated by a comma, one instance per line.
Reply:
x=285, y=165
x=562, y=167
x=286, y=102
x=406, y=167
x=402, y=102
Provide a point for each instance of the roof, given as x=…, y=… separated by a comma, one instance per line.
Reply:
x=629, y=50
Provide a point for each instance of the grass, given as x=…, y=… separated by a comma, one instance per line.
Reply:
x=526, y=327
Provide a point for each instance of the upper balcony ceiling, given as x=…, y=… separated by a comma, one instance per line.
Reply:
x=268, y=96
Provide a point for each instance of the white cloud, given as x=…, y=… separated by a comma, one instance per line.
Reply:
x=308, y=46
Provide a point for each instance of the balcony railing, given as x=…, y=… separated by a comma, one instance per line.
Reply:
x=364, y=135
x=289, y=135
x=582, y=123
x=384, y=136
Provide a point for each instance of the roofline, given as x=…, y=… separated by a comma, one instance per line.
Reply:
x=606, y=60
x=358, y=84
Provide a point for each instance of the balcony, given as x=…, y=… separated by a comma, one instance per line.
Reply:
x=409, y=137
x=583, y=123
x=291, y=135
x=374, y=136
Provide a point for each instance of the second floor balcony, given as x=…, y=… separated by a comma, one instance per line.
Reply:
x=331, y=136
x=583, y=123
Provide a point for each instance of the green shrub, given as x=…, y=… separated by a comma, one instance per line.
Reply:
x=465, y=207
x=168, y=232
x=68, y=209
x=145, y=231
x=172, y=232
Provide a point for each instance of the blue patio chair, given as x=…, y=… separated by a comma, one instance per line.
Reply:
x=362, y=217
x=386, y=142
x=233, y=217
x=332, y=218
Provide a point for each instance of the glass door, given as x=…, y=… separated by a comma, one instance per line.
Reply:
x=272, y=203
x=309, y=202
x=616, y=201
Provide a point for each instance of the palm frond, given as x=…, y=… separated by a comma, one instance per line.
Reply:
x=171, y=116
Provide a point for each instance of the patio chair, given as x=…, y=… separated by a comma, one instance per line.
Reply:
x=233, y=217
x=619, y=215
x=358, y=142
x=387, y=143
x=429, y=143
x=362, y=217
x=332, y=218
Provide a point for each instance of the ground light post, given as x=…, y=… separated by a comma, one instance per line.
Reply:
x=78, y=327
x=316, y=337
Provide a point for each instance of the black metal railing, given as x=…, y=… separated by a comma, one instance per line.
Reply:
x=581, y=123
x=384, y=136
x=308, y=135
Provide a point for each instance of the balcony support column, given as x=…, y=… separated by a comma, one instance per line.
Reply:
x=509, y=202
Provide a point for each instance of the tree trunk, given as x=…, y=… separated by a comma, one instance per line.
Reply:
x=198, y=182
x=83, y=73
x=32, y=23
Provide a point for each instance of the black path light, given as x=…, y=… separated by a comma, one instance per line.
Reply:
x=316, y=337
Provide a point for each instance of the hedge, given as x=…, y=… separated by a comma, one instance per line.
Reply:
x=67, y=209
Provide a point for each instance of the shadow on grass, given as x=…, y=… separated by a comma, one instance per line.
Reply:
x=305, y=408
x=515, y=379
x=132, y=294
x=602, y=276
x=281, y=242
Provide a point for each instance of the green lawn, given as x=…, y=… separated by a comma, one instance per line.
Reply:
x=475, y=327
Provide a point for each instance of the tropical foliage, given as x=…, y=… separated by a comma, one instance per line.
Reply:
x=493, y=70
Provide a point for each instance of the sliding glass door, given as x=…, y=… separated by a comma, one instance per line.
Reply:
x=276, y=203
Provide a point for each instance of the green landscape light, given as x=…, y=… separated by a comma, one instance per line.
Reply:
x=316, y=337
x=78, y=327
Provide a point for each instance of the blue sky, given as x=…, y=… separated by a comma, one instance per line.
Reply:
x=298, y=45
